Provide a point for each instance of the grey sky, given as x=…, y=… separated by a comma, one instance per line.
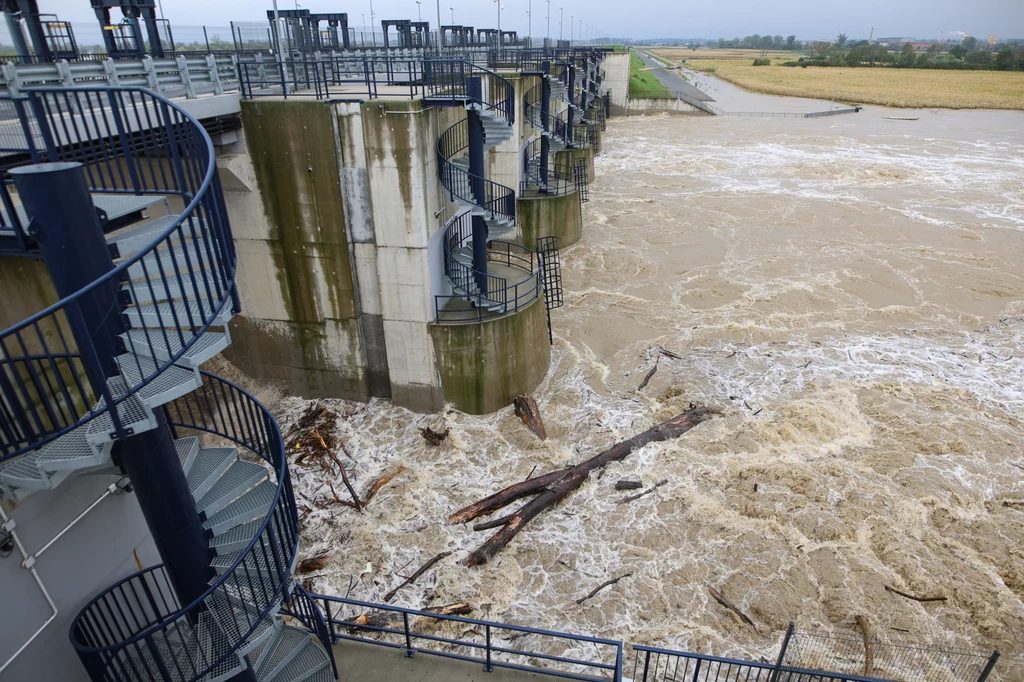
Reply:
x=645, y=19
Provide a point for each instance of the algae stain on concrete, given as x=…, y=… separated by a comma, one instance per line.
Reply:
x=293, y=153
x=392, y=138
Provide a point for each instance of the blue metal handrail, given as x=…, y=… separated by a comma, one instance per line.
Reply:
x=117, y=629
x=554, y=124
x=560, y=179
x=117, y=133
x=498, y=200
x=488, y=653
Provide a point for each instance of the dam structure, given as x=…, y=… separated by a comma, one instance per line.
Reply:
x=342, y=220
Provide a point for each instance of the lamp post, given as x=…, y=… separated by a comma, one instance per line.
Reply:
x=419, y=16
x=572, y=25
x=561, y=16
x=440, y=33
x=547, y=38
x=373, y=19
x=529, y=20
x=453, y=15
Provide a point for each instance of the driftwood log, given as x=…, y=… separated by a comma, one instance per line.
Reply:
x=412, y=578
x=650, y=490
x=869, y=650
x=910, y=596
x=625, y=484
x=432, y=436
x=551, y=488
x=720, y=598
x=606, y=583
x=526, y=410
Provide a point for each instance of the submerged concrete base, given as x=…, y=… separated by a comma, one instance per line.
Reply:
x=484, y=365
x=569, y=157
x=545, y=215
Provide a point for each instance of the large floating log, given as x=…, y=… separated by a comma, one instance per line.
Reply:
x=526, y=410
x=551, y=488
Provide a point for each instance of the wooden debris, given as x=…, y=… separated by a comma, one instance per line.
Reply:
x=432, y=436
x=374, y=619
x=375, y=487
x=526, y=410
x=313, y=563
x=606, y=583
x=720, y=598
x=650, y=374
x=628, y=485
x=411, y=579
x=910, y=596
x=551, y=488
x=351, y=491
x=869, y=649
x=646, y=492
x=313, y=437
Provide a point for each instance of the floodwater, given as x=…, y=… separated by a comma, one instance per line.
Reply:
x=848, y=292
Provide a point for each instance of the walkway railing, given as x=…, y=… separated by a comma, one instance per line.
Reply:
x=560, y=180
x=136, y=630
x=502, y=297
x=493, y=645
x=130, y=141
x=327, y=76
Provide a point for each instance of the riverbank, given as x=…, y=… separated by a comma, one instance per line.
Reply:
x=905, y=88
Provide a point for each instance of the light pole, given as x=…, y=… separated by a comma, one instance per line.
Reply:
x=419, y=16
x=572, y=25
x=499, y=21
x=373, y=19
x=529, y=19
x=548, y=17
x=561, y=16
x=440, y=33
x=453, y=15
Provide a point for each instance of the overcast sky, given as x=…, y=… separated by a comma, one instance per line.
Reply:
x=808, y=19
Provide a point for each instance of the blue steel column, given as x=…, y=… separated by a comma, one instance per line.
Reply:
x=64, y=221
x=103, y=16
x=545, y=113
x=474, y=88
x=14, y=30
x=570, y=114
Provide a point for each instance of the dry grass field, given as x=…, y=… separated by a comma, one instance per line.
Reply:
x=677, y=53
x=916, y=88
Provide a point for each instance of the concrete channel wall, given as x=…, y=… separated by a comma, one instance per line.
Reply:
x=639, y=106
x=616, y=80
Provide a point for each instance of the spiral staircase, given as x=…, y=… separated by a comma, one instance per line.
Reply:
x=462, y=83
x=173, y=282
x=554, y=127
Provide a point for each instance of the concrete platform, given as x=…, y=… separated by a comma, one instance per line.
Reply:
x=457, y=309
x=359, y=662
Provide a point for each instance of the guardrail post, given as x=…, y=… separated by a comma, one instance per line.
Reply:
x=151, y=79
x=11, y=79
x=211, y=64
x=110, y=69
x=409, y=653
x=988, y=666
x=186, y=77
x=64, y=71
x=782, y=653
x=487, y=666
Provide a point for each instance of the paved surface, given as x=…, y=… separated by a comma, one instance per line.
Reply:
x=358, y=662
x=673, y=81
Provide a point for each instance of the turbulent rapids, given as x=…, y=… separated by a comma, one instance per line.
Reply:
x=849, y=293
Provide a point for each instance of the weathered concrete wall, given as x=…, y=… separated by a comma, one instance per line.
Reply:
x=616, y=80
x=300, y=314
x=550, y=216
x=568, y=157
x=485, y=365
x=660, y=105
x=400, y=140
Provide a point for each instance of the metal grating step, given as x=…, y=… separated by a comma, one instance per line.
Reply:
x=196, y=255
x=23, y=475
x=174, y=287
x=237, y=621
x=252, y=505
x=236, y=539
x=239, y=478
x=308, y=660
x=187, y=449
x=256, y=563
x=215, y=646
x=170, y=384
x=135, y=416
x=155, y=344
x=209, y=465
x=287, y=644
x=131, y=241
x=120, y=205
x=72, y=452
x=177, y=314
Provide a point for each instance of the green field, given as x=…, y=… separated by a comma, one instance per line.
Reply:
x=642, y=82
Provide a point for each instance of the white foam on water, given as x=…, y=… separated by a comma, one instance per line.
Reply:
x=850, y=302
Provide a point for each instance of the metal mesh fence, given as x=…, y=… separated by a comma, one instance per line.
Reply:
x=881, y=659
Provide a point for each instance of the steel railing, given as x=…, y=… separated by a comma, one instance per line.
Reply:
x=493, y=645
x=498, y=200
x=327, y=76
x=130, y=141
x=501, y=297
x=560, y=177
x=136, y=630
x=556, y=125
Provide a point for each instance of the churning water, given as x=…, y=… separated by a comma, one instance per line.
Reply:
x=849, y=293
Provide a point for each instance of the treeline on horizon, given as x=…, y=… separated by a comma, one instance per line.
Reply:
x=969, y=53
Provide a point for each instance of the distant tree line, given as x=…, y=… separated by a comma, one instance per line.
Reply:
x=970, y=53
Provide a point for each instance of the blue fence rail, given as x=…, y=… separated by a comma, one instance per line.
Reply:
x=490, y=644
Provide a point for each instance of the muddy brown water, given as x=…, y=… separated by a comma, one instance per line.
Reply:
x=849, y=293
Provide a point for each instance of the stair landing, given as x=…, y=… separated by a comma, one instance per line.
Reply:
x=458, y=309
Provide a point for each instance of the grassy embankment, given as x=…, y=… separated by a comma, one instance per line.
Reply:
x=642, y=82
x=917, y=88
